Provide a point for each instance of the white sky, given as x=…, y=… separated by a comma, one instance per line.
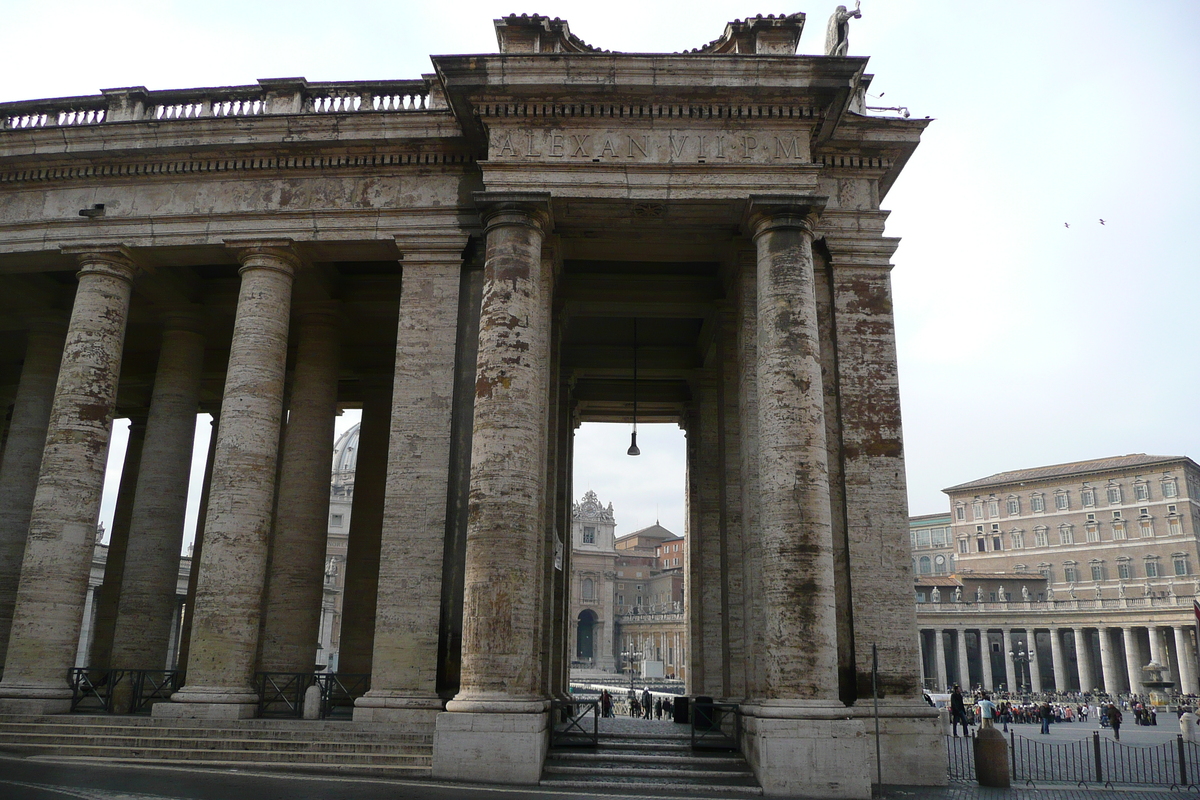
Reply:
x=1022, y=342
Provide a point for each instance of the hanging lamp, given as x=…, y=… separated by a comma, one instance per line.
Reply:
x=633, y=448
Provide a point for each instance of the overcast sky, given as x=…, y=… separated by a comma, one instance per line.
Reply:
x=1022, y=341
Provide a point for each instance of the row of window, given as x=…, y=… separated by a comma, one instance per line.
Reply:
x=937, y=565
x=1097, y=568
x=1113, y=492
x=988, y=541
x=931, y=537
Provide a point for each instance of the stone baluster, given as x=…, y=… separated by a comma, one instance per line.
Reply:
x=1108, y=664
x=295, y=580
x=1058, y=663
x=229, y=591
x=1133, y=659
x=1083, y=660
x=62, y=530
x=149, y=580
x=405, y=655
x=23, y=455
x=501, y=686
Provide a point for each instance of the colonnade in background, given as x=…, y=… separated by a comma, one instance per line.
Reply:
x=1036, y=659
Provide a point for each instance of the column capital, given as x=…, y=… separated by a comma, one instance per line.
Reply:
x=114, y=260
x=771, y=212
x=276, y=254
x=424, y=247
x=318, y=312
x=515, y=208
x=184, y=319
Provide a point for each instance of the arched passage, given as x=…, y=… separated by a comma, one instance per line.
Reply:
x=585, y=639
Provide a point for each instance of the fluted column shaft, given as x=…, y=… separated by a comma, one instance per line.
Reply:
x=1083, y=661
x=985, y=654
x=295, y=578
x=22, y=456
x=405, y=654
x=62, y=527
x=1108, y=665
x=1035, y=667
x=939, y=641
x=505, y=535
x=149, y=584
x=794, y=514
x=1058, y=663
x=964, y=666
x=229, y=591
x=1133, y=660
x=1187, y=659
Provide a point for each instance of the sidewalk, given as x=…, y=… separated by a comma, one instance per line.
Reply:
x=1045, y=791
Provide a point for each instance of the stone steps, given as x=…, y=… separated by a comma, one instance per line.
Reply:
x=649, y=761
x=362, y=748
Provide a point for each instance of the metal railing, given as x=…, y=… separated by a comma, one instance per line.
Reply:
x=569, y=723
x=716, y=726
x=121, y=691
x=960, y=756
x=281, y=694
x=339, y=690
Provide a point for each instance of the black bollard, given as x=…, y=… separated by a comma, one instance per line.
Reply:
x=991, y=757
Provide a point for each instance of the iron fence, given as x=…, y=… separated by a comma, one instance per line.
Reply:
x=281, y=694
x=121, y=691
x=339, y=690
x=716, y=726
x=960, y=757
x=569, y=723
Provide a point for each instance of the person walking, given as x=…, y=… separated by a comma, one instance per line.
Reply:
x=1047, y=716
x=647, y=703
x=987, y=711
x=658, y=708
x=1114, y=721
x=958, y=712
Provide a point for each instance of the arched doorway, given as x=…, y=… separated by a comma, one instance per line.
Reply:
x=585, y=639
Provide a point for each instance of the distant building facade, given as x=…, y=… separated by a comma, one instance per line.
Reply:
x=593, y=583
x=1069, y=577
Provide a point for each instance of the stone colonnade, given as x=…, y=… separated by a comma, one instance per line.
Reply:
x=1057, y=659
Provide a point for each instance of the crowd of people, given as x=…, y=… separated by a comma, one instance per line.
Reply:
x=643, y=706
x=980, y=709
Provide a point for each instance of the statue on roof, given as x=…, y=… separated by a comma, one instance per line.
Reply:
x=936, y=595
x=1025, y=593
x=958, y=594
x=837, y=34
x=978, y=594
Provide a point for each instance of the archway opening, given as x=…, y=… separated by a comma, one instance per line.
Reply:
x=585, y=649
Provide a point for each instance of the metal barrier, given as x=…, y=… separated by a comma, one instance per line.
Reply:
x=281, y=694
x=121, y=691
x=1039, y=760
x=568, y=723
x=960, y=756
x=716, y=726
x=339, y=691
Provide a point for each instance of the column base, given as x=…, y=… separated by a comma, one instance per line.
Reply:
x=208, y=703
x=35, y=699
x=912, y=742
x=480, y=747
x=408, y=711
x=807, y=751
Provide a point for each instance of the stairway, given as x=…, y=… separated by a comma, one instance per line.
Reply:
x=650, y=762
x=358, y=748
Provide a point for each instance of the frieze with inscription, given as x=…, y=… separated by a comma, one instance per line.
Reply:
x=681, y=145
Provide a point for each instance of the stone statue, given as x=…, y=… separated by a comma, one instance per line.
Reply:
x=1099, y=593
x=1071, y=591
x=978, y=594
x=837, y=33
x=935, y=595
x=1049, y=592
x=1025, y=593
x=1171, y=590
x=1196, y=587
x=1001, y=594
x=958, y=594
x=1147, y=589
x=1121, y=589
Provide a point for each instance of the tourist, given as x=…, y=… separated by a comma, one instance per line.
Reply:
x=987, y=711
x=958, y=712
x=647, y=703
x=1114, y=721
x=1047, y=715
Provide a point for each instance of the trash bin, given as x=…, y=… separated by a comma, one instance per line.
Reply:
x=702, y=716
x=681, y=708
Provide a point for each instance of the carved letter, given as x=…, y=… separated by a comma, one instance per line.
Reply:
x=720, y=147
x=506, y=146
x=556, y=145
x=531, y=153
x=700, y=149
x=677, y=153
x=580, y=143
x=633, y=143
x=608, y=148
x=748, y=144
x=781, y=148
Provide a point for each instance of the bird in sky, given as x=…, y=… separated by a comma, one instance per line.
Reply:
x=1066, y=224
x=1101, y=222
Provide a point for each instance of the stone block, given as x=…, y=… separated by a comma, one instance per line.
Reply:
x=35, y=705
x=490, y=748
x=204, y=711
x=912, y=743
x=809, y=757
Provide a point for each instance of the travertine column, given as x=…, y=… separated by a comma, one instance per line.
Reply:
x=1012, y=680
x=1035, y=666
x=149, y=582
x=964, y=666
x=1059, y=664
x=229, y=592
x=189, y=603
x=504, y=538
x=1156, y=648
x=501, y=664
x=62, y=527
x=1108, y=665
x=794, y=515
x=1133, y=660
x=1187, y=659
x=107, y=596
x=939, y=659
x=295, y=577
x=22, y=457
x=747, y=343
x=921, y=655
x=405, y=656
x=1083, y=661
x=985, y=657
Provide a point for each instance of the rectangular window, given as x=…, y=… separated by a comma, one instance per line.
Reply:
x=1118, y=530
x=960, y=512
x=1175, y=526
x=993, y=508
x=1114, y=495
x=1039, y=539
x=1093, y=532
x=589, y=535
x=1123, y=570
x=923, y=538
x=1047, y=573
x=977, y=510
x=335, y=520
x=1151, y=569
x=996, y=543
x=963, y=547
x=1141, y=491
x=620, y=599
x=1070, y=574
x=1088, y=497
x=1037, y=503
x=1097, y=572
x=1018, y=540
x=1014, y=506
x=939, y=537
x=1181, y=565
x=1066, y=536
x=981, y=545
x=1169, y=489
x=1062, y=501
x=1148, y=529
x=920, y=597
